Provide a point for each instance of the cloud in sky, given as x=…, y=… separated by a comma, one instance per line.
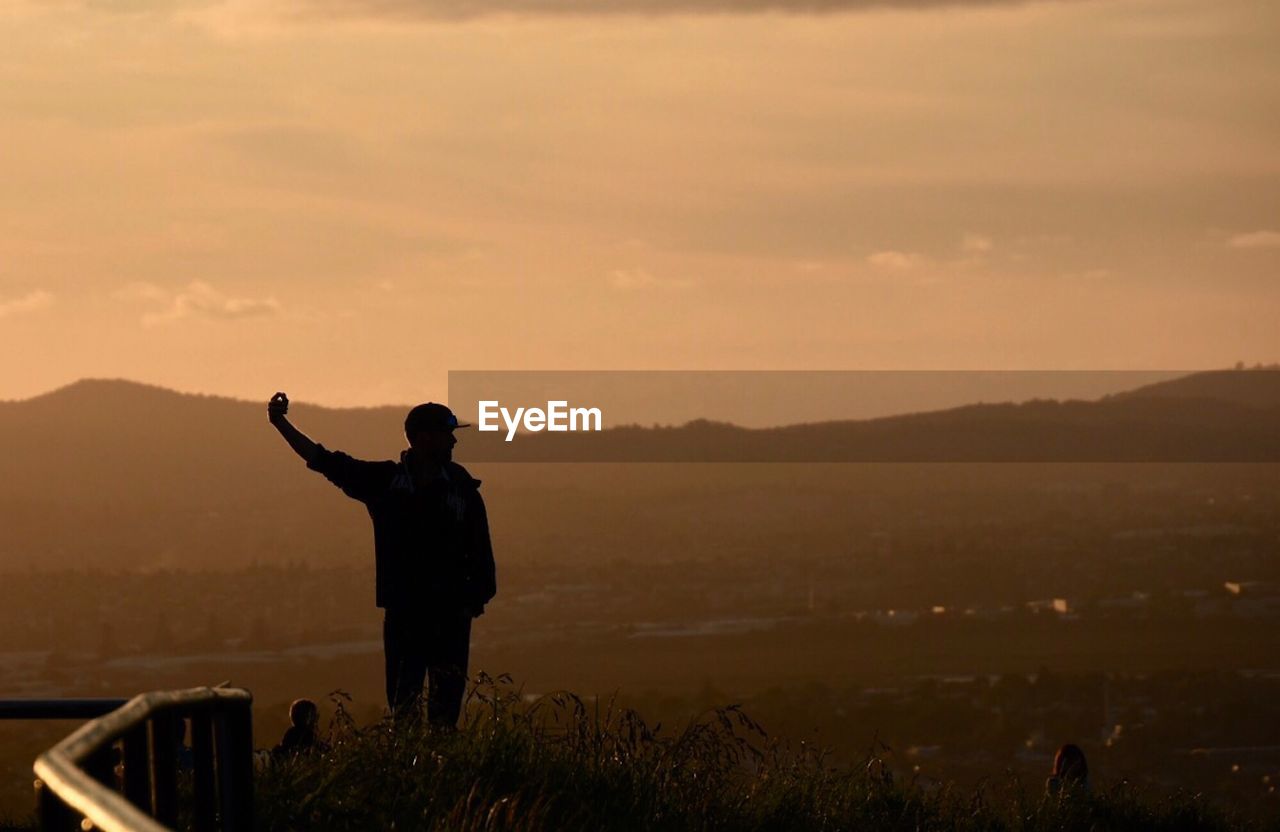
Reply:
x=630, y=280
x=896, y=260
x=197, y=300
x=976, y=244
x=1255, y=239
x=30, y=302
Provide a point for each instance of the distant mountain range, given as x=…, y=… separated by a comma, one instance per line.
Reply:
x=1219, y=416
x=99, y=434
x=124, y=473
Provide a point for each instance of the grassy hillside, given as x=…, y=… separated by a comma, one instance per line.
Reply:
x=561, y=763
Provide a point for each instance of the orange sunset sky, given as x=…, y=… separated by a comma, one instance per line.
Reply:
x=347, y=198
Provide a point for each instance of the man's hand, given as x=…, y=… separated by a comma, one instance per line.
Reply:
x=277, y=407
x=299, y=441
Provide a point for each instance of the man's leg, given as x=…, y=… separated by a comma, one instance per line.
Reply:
x=447, y=681
x=406, y=662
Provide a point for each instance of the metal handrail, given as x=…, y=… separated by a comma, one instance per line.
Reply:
x=76, y=776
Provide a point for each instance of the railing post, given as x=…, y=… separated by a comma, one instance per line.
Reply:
x=55, y=816
x=137, y=768
x=205, y=785
x=235, y=766
x=101, y=766
x=164, y=768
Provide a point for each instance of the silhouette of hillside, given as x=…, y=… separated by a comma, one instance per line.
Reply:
x=1205, y=417
x=118, y=474
x=102, y=438
x=1258, y=387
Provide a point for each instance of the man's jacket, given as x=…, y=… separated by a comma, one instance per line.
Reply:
x=431, y=543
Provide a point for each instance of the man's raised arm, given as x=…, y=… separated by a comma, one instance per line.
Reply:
x=299, y=441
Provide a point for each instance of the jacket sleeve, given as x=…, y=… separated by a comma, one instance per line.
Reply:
x=359, y=479
x=482, y=574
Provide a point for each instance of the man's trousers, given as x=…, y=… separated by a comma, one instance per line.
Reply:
x=432, y=645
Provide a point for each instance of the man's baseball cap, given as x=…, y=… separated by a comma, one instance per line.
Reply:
x=431, y=416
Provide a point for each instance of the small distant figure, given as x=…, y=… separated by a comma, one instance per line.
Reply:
x=300, y=737
x=1070, y=772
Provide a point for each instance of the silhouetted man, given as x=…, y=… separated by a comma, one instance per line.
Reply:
x=432, y=553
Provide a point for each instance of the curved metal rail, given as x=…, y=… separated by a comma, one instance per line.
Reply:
x=84, y=782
